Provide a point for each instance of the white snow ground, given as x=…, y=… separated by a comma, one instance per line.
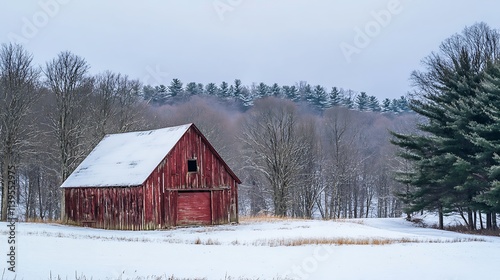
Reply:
x=47, y=249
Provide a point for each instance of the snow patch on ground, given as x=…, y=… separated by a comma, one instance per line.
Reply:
x=45, y=249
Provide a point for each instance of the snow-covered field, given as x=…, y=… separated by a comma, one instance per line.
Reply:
x=251, y=250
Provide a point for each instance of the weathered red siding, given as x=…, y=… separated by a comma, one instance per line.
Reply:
x=109, y=208
x=172, y=175
x=194, y=208
x=156, y=203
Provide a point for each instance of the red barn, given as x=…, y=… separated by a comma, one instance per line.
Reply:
x=151, y=180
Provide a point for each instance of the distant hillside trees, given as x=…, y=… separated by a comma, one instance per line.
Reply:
x=317, y=97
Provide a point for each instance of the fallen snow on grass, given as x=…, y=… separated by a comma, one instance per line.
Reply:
x=279, y=249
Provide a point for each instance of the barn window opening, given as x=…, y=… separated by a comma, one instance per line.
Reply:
x=192, y=165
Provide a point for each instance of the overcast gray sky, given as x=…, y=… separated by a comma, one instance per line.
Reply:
x=363, y=45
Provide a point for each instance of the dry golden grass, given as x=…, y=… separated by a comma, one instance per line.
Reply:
x=340, y=241
x=352, y=221
x=209, y=241
x=43, y=221
x=268, y=219
x=274, y=219
x=215, y=228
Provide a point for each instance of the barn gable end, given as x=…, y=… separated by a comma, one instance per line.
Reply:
x=190, y=185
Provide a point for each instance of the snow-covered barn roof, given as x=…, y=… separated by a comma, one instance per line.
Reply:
x=125, y=159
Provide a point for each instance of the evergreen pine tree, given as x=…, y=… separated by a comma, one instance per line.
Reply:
x=286, y=91
x=291, y=93
x=211, y=89
x=335, y=97
x=348, y=99
x=223, y=91
x=320, y=98
x=192, y=88
x=237, y=89
x=308, y=94
x=275, y=90
x=395, y=106
x=155, y=95
x=446, y=157
x=373, y=104
x=485, y=134
x=175, y=88
x=162, y=94
x=403, y=104
x=362, y=101
x=386, y=105
x=148, y=93
x=201, y=88
x=262, y=90
x=246, y=97
x=231, y=92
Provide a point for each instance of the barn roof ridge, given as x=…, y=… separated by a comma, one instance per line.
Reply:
x=150, y=130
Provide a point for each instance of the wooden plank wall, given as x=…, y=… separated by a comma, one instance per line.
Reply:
x=172, y=174
x=154, y=204
x=194, y=208
x=109, y=208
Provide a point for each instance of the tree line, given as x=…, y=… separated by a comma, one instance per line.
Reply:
x=318, y=97
x=336, y=160
x=299, y=150
x=299, y=155
x=335, y=165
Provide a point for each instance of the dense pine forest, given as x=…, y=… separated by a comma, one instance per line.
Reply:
x=301, y=150
x=244, y=97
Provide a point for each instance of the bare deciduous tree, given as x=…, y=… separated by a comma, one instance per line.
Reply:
x=66, y=78
x=115, y=103
x=310, y=182
x=341, y=136
x=275, y=148
x=18, y=83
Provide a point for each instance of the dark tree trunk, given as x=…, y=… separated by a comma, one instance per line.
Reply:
x=494, y=220
x=5, y=184
x=470, y=217
x=441, y=218
x=475, y=219
x=480, y=220
x=489, y=221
